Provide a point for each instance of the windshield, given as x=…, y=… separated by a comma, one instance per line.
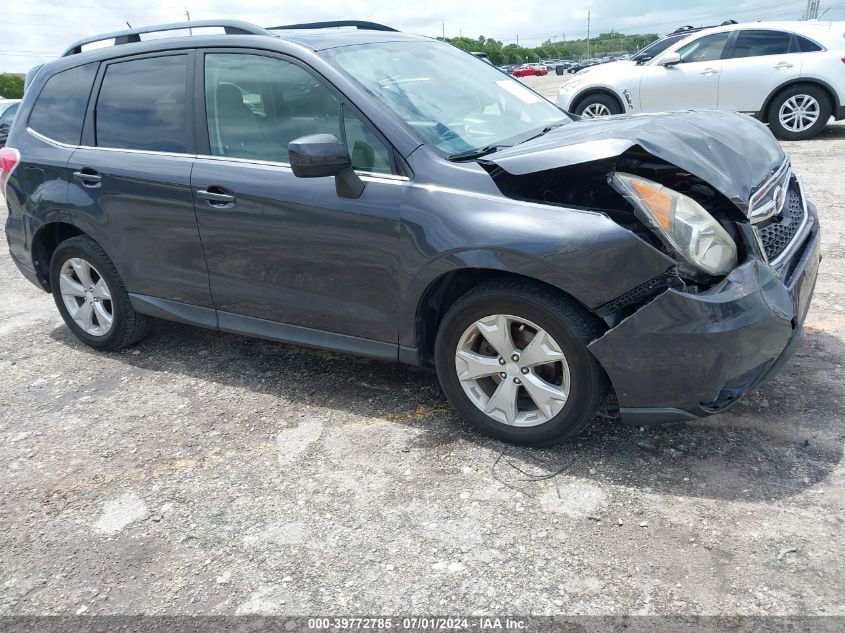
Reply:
x=450, y=99
x=653, y=50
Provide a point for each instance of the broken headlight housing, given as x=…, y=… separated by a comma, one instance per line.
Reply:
x=682, y=224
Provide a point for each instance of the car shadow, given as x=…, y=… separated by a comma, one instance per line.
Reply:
x=782, y=439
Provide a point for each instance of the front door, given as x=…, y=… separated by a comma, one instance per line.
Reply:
x=691, y=84
x=286, y=249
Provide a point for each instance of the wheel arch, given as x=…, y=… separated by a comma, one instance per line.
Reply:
x=591, y=90
x=47, y=238
x=813, y=81
x=448, y=287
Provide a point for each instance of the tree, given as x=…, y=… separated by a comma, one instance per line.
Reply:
x=11, y=86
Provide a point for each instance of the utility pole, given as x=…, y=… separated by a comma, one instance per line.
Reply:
x=443, y=29
x=188, y=15
x=588, y=33
x=517, y=39
x=812, y=11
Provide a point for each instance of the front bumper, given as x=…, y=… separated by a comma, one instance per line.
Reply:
x=685, y=356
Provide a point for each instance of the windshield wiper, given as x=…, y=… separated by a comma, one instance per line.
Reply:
x=545, y=130
x=478, y=152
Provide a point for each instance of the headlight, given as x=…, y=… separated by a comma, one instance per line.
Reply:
x=680, y=223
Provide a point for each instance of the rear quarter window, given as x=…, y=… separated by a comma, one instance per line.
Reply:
x=806, y=46
x=59, y=110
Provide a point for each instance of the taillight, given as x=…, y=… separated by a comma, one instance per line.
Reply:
x=9, y=159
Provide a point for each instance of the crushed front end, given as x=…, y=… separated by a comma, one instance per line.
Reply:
x=715, y=193
x=687, y=352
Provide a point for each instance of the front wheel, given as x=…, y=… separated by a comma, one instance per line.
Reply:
x=513, y=361
x=799, y=113
x=597, y=106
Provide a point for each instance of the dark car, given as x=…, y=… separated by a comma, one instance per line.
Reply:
x=8, y=109
x=388, y=195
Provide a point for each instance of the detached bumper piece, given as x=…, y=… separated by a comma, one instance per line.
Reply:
x=686, y=356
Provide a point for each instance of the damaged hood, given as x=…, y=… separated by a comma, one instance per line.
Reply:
x=732, y=152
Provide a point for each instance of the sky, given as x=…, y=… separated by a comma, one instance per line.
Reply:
x=35, y=31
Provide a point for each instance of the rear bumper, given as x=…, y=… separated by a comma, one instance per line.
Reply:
x=686, y=356
x=27, y=272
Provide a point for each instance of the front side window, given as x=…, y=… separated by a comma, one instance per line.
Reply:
x=257, y=105
x=450, y=100
x=655, y=48
x=59, y=111
x=759, y=43
x=705, y=49
x=142, y=105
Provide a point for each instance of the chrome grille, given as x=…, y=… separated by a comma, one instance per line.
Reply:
x=770, y=197
x=778, y=232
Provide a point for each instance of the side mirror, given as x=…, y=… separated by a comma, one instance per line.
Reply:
x=322, y=155
x=670, y=59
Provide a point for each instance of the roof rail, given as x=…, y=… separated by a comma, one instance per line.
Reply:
x=368, y=26
x=130, y=36
x=688, y=27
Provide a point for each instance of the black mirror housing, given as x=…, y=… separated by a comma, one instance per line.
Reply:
x=318, y=156
x=321, y=155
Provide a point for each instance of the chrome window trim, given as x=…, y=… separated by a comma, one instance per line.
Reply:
x=367, y=176
x=766, y=211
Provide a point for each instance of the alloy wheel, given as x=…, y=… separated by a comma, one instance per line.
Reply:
x=799, y=113
x=595, y=110
x=86, y=296
x=512, y=370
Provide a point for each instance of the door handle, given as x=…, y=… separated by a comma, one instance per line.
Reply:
x=216, y=197
x=88, y=177
x=709, y=71
x=783, y=65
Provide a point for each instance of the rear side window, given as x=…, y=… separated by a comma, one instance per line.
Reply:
x=759, y=43
x=142, y=105
x=807, y=46
x=59, y=111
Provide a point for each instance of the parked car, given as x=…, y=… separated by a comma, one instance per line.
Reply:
x=396, y=198
x=8, y=108
x=507, y=68
x=788, y=74
x=527, y=70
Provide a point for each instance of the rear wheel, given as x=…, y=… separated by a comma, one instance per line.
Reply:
x=513, y=361
x=798, y=113
x=91, y=297
x=597, y=105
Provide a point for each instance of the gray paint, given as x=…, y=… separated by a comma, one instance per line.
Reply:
x=290, y=260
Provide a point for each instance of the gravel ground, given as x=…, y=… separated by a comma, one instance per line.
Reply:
x=206, y=473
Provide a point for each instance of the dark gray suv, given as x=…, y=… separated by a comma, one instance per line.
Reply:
x=376, y=193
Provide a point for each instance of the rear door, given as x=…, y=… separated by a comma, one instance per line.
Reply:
x=756, y=63
x=285, y=249
x=693, y=83
x=132, y=175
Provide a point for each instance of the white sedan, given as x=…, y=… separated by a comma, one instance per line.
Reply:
x=790, y=75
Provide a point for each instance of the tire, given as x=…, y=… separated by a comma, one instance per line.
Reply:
x=570, y=328
x=817, y=102
x=126, y=327
x=598, y=101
